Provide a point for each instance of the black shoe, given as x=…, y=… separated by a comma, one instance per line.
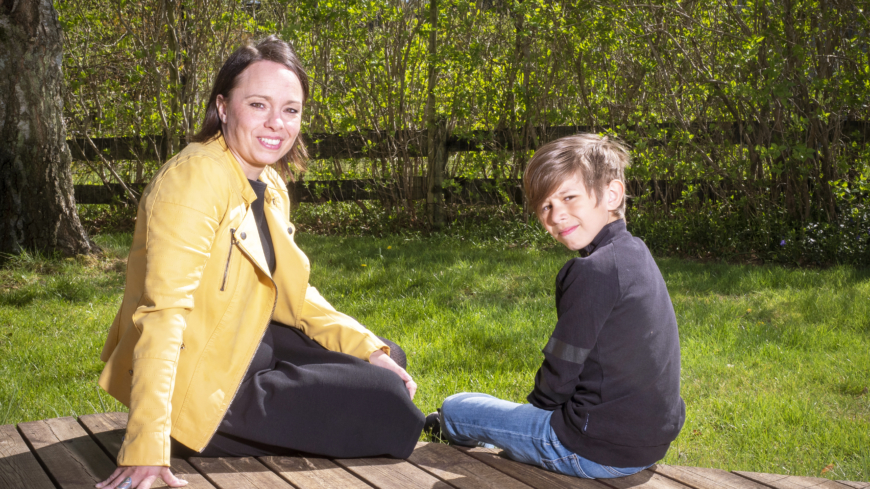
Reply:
x=432, y=427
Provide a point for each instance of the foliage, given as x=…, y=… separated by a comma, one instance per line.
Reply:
x=775, y=361
x=764, y=102
x=499, y=223
x=731, y=229
x=708, y=231
x=103, y=219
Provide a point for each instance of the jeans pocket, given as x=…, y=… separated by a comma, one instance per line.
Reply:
x=566, y=465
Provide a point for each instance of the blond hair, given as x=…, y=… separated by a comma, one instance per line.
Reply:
x=597, y=160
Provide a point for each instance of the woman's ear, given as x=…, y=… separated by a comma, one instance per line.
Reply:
x=615, y=194
x=221, y=104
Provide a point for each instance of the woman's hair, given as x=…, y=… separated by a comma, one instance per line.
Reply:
x=597, y=160
x=268, y=49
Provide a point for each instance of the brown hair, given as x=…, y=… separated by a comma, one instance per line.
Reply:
x=268, y=49
x=597, y=160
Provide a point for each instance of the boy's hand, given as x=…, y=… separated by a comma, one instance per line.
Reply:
x=383, y=360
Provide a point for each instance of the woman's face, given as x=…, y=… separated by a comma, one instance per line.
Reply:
x=261, y=117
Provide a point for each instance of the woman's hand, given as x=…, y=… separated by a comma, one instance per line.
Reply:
x=383, y=360
x=140, y=478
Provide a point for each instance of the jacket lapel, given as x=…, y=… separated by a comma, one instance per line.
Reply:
x=248, y=239
x=247, y=235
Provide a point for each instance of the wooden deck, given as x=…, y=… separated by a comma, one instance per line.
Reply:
x=77, y=453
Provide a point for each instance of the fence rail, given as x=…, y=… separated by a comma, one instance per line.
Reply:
x=470, y=191
x=413, y=143
x=460, y=190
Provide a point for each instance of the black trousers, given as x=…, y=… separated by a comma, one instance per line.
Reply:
x=299, y=397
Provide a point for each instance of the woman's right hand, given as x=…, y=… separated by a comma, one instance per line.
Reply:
x=141, y=477
x=381, y=359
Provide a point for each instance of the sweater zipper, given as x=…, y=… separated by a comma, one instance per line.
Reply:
x=229, y=255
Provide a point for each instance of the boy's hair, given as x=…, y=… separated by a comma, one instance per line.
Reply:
x=598, y=160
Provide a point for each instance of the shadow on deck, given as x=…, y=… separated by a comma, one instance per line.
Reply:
x=77, y=453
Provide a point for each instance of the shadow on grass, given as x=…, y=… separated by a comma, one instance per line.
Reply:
x=65, y=288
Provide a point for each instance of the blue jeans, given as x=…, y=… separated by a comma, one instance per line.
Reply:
x=521, y=430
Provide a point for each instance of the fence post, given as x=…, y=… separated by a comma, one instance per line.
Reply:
x=437, y=158
x=436, y=150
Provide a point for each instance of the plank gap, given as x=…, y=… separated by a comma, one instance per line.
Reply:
x=37, y=457
x=305, y=472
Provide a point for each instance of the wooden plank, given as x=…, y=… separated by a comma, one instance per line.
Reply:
x=705, y=478
x=18, y=467
x=313, y=472
x=645, y=479
x=531, y=475
x=238, y=473
x=73, y=459
x=458, y=469
x=108, y=429
x=391, y=473
x=778, y=481
x=856, y=484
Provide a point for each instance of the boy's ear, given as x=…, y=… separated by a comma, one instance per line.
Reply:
x=615, y=194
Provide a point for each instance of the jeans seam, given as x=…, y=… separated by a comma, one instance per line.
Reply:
x=580, y=469
x=554, y=438
x=495, y=430
x=615, y=471
x=572, y=461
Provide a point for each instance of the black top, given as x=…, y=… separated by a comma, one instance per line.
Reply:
x=611, y=368
x=262, y=225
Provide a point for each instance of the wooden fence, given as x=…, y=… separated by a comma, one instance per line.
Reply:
x=413, y=144
x=485, y=191
x=469, y=191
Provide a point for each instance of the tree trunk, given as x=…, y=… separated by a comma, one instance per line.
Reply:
x=437, y=166
x=437, y=131
x=37, y=207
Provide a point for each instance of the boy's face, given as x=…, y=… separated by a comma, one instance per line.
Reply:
x=571, y=215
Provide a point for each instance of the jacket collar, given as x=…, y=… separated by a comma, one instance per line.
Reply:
x=241, y=180
x=607, y=234
x=269, y=175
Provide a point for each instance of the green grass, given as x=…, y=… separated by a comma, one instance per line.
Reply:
x=54, y=315
x=776, y=362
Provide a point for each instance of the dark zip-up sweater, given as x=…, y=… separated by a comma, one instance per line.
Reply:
x=611, y=370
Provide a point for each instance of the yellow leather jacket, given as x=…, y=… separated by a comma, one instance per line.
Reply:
x=199, y=297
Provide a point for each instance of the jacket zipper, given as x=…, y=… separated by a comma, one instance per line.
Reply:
x=263, y=333
x=229, y=255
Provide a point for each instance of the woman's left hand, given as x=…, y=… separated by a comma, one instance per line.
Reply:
x=383, y=360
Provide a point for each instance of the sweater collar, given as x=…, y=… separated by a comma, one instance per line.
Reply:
x=606, y=235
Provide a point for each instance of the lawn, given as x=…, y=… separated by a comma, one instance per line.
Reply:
x=775, y=366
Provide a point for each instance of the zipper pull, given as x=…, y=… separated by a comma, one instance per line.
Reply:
x=229, y=256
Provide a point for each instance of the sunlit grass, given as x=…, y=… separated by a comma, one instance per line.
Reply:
x=54, y=314
x=775, y=361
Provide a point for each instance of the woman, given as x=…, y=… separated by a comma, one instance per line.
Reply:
x=220, y=347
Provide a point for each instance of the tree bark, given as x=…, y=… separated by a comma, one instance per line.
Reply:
x=437, y=131
x=37, y=206
x=437, y=166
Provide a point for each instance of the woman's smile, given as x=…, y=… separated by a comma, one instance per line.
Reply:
x=271, y=143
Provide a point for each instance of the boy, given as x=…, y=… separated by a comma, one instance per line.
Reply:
x=606, y=401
